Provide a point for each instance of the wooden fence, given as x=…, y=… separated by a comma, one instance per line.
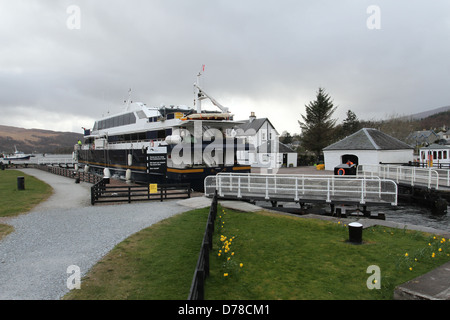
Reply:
x=101, y=192
x=197, y=291
x=71, y=173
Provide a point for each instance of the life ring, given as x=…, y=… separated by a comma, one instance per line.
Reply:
x=341, y=172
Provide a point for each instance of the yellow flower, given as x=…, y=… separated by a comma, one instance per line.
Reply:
x=429, y=244
x=232, y=253
x=219, y=254
x=415, y=259
x=406, y=254
x=241, y=265
x=225, y=274
x=228, y=259
x=410, y=268
x=433, y=255
x=440, y=249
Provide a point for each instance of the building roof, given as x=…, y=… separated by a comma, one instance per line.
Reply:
x=254, y=124
x=368, y=139
x=266, y=147
x=436, y=146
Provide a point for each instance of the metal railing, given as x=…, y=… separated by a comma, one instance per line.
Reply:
x=414, y=176
x=303, y=188
x=197, y=291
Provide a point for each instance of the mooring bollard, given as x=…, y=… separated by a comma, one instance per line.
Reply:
x=355, y=232
x=20, y=183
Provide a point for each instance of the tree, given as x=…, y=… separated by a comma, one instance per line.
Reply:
x=351, y=123
x=318, y=126
x=286, y=137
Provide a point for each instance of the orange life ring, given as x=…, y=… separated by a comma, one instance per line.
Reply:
x=341, y=170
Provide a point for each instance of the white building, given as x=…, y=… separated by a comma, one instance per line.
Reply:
x=266, y=151
x=367, y=146
x=435, y=155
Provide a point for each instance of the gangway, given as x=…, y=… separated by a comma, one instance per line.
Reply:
x=407, y=175
x=303, y=188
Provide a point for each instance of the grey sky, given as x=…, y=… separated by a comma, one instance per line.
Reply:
x=265, y=56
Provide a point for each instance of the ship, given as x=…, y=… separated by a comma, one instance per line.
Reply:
x=18, y=155
x=164, y=144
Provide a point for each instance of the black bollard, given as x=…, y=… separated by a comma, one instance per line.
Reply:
x=355, y=232
x=20, y=183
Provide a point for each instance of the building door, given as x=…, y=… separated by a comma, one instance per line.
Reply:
x=350, y=157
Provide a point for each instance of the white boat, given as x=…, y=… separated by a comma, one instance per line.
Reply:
x=18, y=155
x=176, y=144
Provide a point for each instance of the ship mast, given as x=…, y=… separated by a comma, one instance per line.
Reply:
x=200, y=94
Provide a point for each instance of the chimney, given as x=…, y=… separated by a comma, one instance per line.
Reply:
x=252, y=116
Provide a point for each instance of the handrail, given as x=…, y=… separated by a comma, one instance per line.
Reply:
x=300, y=187
x=404, y=174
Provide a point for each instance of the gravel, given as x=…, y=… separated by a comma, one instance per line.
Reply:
x=63, y=231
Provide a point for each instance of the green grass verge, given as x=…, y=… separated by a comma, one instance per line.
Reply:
x=282, y=257
x=286, y=257
x=14, y=201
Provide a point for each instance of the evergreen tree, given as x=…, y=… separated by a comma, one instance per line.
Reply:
x=318, y=126
x=351, y=123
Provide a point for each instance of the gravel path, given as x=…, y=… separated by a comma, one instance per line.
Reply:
x=66, y=230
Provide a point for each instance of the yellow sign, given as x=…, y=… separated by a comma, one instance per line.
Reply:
x=153, y=188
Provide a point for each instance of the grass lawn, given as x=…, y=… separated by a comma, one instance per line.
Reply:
x=286, y=257
x=282, y=257
x=13, y=201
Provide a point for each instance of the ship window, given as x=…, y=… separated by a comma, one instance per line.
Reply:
x=161, y=134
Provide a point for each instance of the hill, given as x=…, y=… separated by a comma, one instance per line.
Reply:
x=37, y=140
x=429, y=113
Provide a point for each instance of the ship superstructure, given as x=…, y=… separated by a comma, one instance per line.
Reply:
x=163, y=144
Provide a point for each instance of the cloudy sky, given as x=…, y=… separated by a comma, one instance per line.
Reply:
x=64, y=64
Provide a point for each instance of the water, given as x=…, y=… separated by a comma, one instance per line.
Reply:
x=409, y=215
x=415, y=215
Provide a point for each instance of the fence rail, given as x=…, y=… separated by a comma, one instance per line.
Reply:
x=71, y=173
x=102, y=192
x=197, y=291
x=414, y=176
x=302, y=188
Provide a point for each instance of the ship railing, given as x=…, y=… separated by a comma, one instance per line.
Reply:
x=411, y=175
x=303, y=188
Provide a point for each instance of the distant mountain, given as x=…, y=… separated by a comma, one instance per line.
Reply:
x=37, y=140
x=425, y=114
